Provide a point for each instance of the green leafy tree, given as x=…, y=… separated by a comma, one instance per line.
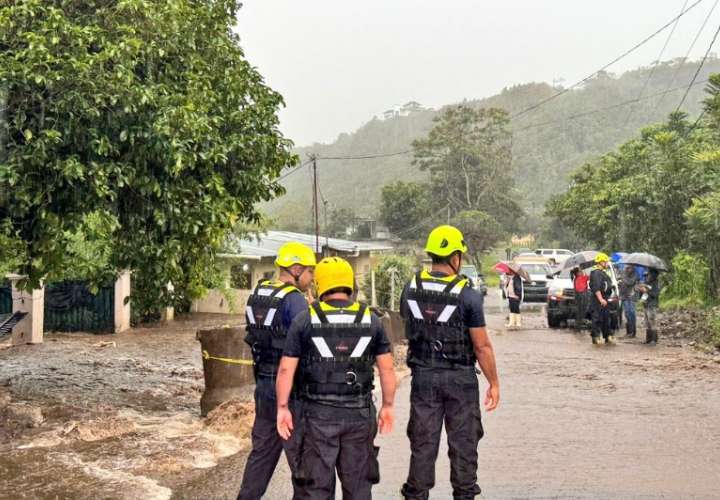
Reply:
x=703, y=220
x=405, y=205
x=481, y=231
x=468, y=155
x=145, y=110
x=392, y=267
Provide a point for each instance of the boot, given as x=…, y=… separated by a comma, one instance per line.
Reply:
x=597, y=340
x=650, y=336
x=629, y=333
x=518, y=321
x=653, y=337
x=511, y=320
x=610, y=340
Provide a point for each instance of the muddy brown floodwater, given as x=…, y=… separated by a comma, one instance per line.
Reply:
x=84, y=421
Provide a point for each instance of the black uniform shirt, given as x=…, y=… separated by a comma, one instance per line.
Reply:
x=298, y=337
x=600, y=282
x=470, y=307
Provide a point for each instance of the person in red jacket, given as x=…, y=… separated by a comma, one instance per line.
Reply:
x=580, y=283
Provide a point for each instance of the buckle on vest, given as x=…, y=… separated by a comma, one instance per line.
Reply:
x=350, y=378
x=255, y=347
x=437, y=346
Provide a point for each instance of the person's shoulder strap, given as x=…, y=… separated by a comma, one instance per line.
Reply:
x=419, y=280
x=360, y=313
x=319, y=312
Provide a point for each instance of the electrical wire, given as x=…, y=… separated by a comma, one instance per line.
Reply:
x=296, y=169
x=620, y=57
x=419, y=224
x=606, y=108
x=365, y=157
x=654, y=67
x=707, y=52
x=689, y=50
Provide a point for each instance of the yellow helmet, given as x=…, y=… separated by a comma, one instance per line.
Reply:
x=444, y=240
x=295, y=253
x=333, y=272
x=601, y=257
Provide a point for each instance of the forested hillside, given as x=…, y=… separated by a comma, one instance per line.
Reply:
x=548, y=143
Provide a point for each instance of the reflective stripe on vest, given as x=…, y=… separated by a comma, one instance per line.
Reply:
x=435, y=284
x=265, y=331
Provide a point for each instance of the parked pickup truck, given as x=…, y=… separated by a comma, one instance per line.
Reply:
x=561, y=300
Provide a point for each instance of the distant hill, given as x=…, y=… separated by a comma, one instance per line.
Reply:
x=546, y=145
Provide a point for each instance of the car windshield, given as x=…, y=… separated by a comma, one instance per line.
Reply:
x=536, y=268
x=469, y=271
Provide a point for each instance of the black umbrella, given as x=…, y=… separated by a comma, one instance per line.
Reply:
x=645, y=260
x=581, y=260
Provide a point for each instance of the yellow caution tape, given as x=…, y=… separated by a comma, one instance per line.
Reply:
x=206, y=355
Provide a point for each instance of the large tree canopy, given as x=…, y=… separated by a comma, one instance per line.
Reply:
x=145, y=111
x=468, y=154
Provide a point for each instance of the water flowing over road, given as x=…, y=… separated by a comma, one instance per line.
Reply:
x=576, y=421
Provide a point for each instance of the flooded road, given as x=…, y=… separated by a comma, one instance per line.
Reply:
x=86, y=420
x=117, y=416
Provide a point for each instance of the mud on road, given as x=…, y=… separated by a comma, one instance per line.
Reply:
x=117, y=416
x=80, y=418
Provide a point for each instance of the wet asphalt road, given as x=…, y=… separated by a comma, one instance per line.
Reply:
x=576, y=421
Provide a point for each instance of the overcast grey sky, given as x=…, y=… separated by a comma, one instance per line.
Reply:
x=339, y=62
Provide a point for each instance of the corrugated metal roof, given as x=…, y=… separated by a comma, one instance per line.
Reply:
x=269, y=243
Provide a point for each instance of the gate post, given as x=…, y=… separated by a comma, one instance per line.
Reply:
x=30, y=329
x=122, y=302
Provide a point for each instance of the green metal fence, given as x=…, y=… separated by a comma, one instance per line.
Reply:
x=71, y=307
x=5, y=299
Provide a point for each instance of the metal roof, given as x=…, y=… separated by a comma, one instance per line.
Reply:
x=270, y=242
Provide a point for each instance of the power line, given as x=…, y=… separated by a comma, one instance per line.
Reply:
x=419, y=224
x=365, y=157
x=620, y=57
x=657, y=63
x=707, y=52
x=692, y=46
x=296, y=169
x=606, y=108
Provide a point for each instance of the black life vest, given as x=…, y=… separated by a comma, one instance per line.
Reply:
x=338, y=370
x=265, y=332
x=437, y=336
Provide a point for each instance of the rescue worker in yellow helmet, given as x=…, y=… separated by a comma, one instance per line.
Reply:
x=334, y=346
x=269, y=312
x=445, y=327
x=601, y=289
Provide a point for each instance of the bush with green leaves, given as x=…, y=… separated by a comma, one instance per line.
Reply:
x=397, y=267
x=688, y=284
x=144, y=110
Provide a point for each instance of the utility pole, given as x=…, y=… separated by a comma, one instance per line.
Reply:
x=316, y=215
x=327, y=236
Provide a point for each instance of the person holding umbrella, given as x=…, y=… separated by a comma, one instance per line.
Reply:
x=601, y=289
x=650, y=289
x=651, y=301
x=628, y=286
x=513, y=291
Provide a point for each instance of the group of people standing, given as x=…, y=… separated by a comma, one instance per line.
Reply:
x=594, y=292
x=314, y=372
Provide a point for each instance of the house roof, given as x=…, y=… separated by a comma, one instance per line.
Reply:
x=270, y=242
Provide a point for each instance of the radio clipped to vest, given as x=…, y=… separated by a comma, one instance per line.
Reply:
x=265, y=332
x=437, y=335
x=339, y=367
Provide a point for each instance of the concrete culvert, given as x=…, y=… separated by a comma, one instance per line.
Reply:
x=227, y=365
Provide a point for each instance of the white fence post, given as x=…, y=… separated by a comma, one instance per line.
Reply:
x=122, y=302
x=30, y=329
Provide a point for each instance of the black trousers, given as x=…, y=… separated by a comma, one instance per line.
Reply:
x=338, y=440
x=514, y=306
x=581, y=305
x=600, y=321
x=267, y=445
x=451, y=397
